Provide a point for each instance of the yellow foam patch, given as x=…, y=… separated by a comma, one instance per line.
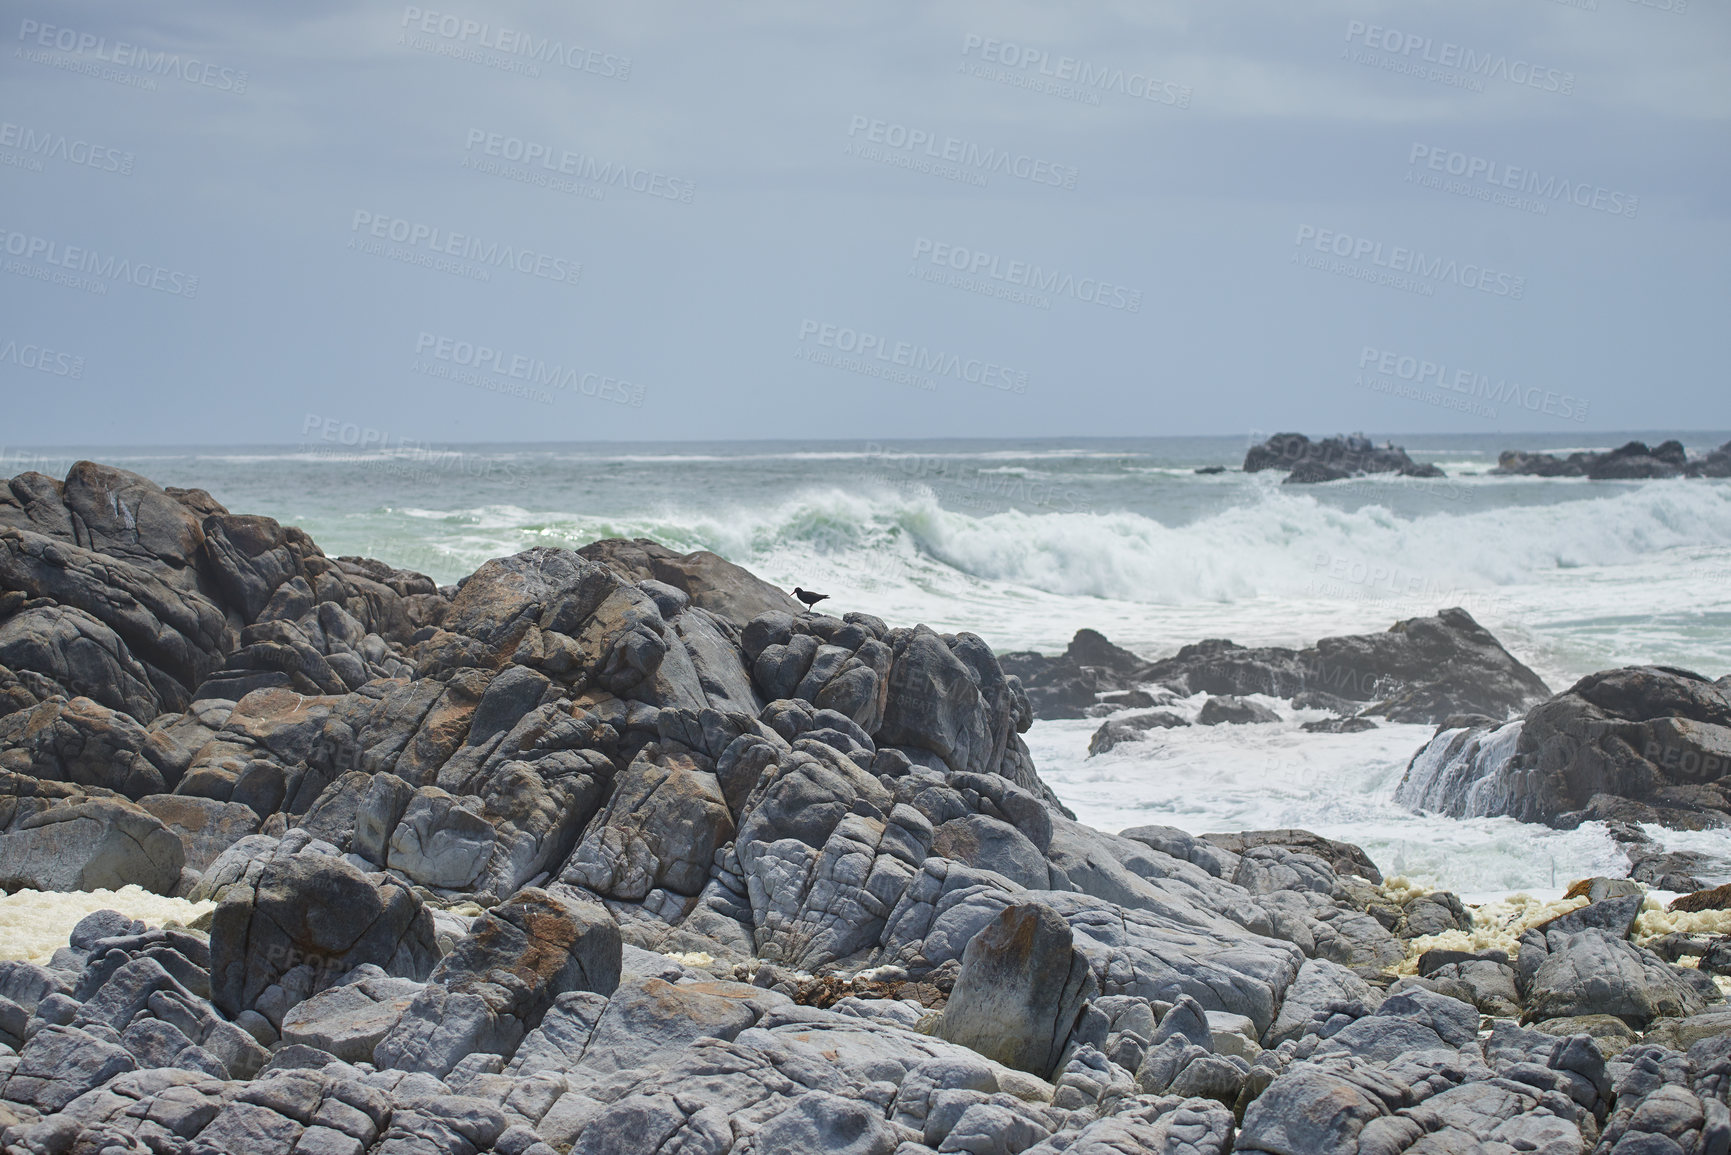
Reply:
x=1401, y=889
x=36, y=923
x=1655, y=920
x=1496, y=926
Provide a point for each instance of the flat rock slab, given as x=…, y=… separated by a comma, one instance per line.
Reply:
x=348, y=1021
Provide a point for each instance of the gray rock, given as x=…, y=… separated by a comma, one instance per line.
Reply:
x=1021, y=986
x=1614, y=915
x=649, y=1021
x=1132, y=728
x=494, y=988
x=1433, y=913
x=82, y=656
x=1487, y=985
x=1231, y=710
x=1595, y=973
x=318, y=911
x=993, y=845
x=439, y=842
x=1318, y=984
x=1187, y=1021
x=708, y=580
x=59, y=1064
x=58, y=837
x=933, y=702
x=204, y=826
x=661, y=828
x=348, y=1020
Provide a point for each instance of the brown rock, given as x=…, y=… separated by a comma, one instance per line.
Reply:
x=1718, y=898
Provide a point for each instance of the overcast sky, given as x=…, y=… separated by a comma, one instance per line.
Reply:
x=861, y=219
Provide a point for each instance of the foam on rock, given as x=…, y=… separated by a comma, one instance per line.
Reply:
x=1496, y=926
x=36, y=923
x=1655, y=920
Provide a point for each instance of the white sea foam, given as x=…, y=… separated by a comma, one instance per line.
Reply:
x=1253, y=777
x=34, y=923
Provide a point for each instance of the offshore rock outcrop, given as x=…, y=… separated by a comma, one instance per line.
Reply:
x=1419, y=670
x=1633, y=460
x=566, y=857
x=1332, y=459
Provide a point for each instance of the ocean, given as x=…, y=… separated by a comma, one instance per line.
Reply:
x=1024, y=542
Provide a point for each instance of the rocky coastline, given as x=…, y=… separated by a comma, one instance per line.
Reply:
x=621, y=850
x=1340, y=458
x=1631, y=461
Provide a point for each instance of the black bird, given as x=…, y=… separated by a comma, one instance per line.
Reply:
x=810, y=599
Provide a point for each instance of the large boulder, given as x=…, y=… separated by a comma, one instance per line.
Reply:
x=1597, y=972
x=713, y=583
x=1419, y=670
x=178, y=634
x=82, y=656
x=60, y=837
x=351, y=1018
x=1638, y=744
x=1342, y=857
x=934, y=704
x=661, y=828
x=204, y=826
x=1630, y=461
x=1021, y=986
x=316, y=911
